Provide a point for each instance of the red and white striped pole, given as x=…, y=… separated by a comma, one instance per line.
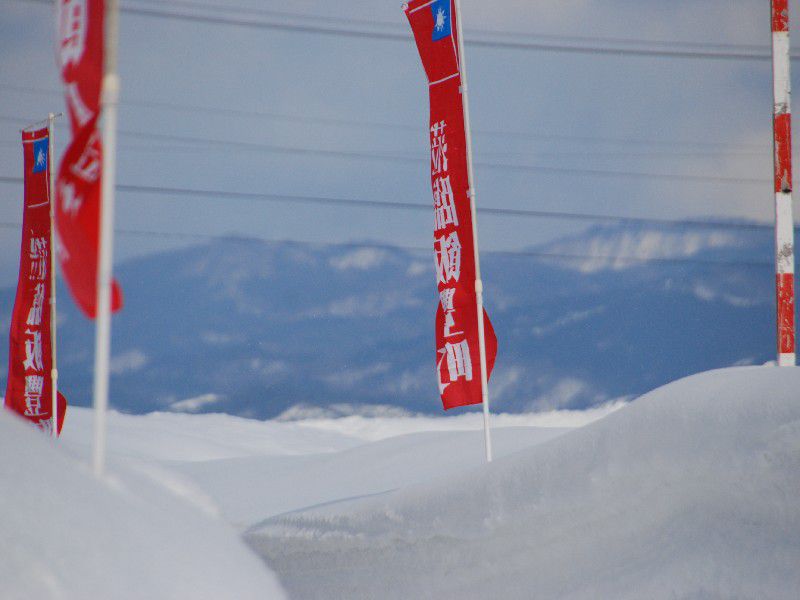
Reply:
x=784, y=222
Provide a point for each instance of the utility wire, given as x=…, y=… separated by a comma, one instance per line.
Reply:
x=390, y=247
x=398, y=205
x=225, y=9
x=360, y=123
x=200, y=145
x=365, y=33
x=504, y=155
x=266, y=12
x=379, y=156
x=382, y=156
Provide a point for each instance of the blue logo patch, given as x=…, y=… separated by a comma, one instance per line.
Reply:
x=441, y=19
x=40, y=148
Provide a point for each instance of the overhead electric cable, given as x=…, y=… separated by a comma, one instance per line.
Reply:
x=381, y=156
x=227, y=8
x=365, y=33
x=505, y=155
x=512, y=253
x=484, y=164
x=189, y=108
x=399, y=205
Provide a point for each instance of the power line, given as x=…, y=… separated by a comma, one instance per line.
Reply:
x=398, y=205
x=268, y=12
x=482, y=43
x=507, y=44
x=391, y=247
x=353, y=154
x=361, y=123
x=193, y=108
x=200, y=145
x=549, y=154
x=380, y=156
x=393, y=24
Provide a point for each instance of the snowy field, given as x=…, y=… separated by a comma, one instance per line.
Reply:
x=139, y=534
x=253, y=470
x=688, y=492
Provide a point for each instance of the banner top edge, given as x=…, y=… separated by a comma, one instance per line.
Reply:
x=34, y=136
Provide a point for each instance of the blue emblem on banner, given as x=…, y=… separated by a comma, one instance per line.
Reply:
x=40, y=148
x=441, y=19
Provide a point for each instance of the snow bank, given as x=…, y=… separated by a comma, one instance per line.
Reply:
x=248, y=490
x=689, y=492
x=190, y=438
x=65, y=535
x=374, y=428
x=184, y=437
x=252, y=470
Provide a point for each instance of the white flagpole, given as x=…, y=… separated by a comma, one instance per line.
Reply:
x=108, y=103
x=54, y=366
x=478, y=282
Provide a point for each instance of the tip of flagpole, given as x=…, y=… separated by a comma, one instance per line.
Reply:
x=49, y=116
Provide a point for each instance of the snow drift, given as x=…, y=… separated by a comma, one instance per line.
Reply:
x=65, y=535
x=689, y=492
x=280, y=484
x=252, y=470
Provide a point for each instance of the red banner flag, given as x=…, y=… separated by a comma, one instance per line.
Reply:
x=78, y=186
x=29, y=390
x=457, y=345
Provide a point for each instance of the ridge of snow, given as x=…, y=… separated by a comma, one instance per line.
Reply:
x=611, y=250
x=688, y=492
x=138, y=533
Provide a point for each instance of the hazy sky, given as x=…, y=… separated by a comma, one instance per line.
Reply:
x=689, y=117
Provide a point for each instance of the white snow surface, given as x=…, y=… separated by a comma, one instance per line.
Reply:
x=690, y=492
x=252, y=470
x=281, y=484
x=65, y=535
x=188, y=438
x=378, y=428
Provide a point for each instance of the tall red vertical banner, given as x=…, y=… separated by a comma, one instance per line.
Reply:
x=784, y=221
x=457, y=345
x=79, y=50
x=29, y=391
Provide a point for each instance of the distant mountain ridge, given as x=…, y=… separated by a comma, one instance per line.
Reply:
x=258, y=329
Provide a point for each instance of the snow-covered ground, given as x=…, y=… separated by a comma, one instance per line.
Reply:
x=163, y=523
x=140, y=533
x=688, y=492
x=281, y=484
x=181, y=437
x=254, y=470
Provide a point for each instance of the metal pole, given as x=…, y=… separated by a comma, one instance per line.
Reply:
x=472, y=198
x=52, y=191
x=782, y=152
x=108, y=106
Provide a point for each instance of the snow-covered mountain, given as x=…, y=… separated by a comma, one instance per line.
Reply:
x=263, y=329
